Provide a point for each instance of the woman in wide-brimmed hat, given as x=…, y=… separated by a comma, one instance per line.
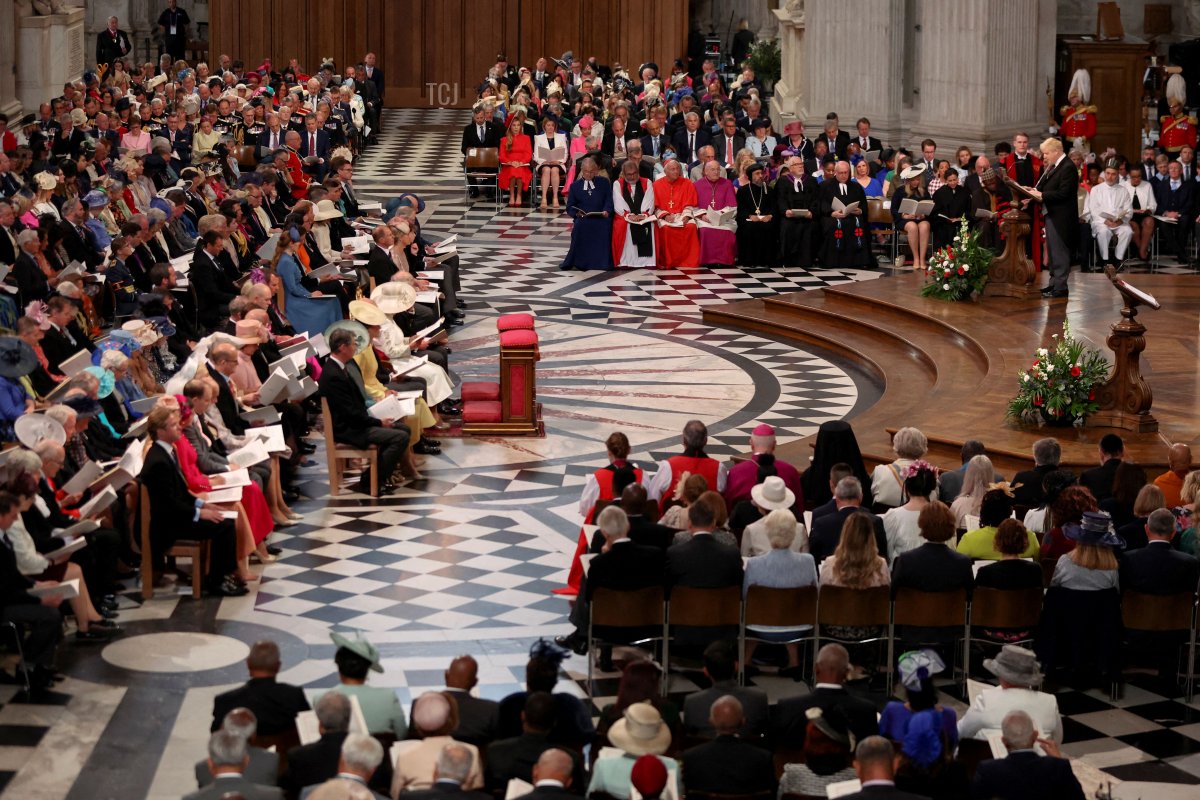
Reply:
x=16, y=361
x=1019, y=674
x=1092, y=564
x=640, y=731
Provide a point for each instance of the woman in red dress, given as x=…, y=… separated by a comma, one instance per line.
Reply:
x=516, y=154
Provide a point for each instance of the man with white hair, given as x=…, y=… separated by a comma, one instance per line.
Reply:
x=434, y=717
x=262, y=766
x=1024, y=774
x=227, y=761
x=323, y=759
x=621, y=566
x=762, y=463
x=112, y=43
x=361, y=756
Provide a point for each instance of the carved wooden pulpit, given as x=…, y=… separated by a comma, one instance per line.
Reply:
x=1125, y=398
x=1011, y=273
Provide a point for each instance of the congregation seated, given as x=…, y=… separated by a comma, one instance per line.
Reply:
x=273, y=704
x=573, y=726
x=901, y=523
x=478, y=717
x=728, y=764
x=887, y=482
x=516, y=757
x=790, y=718
x=1013, y=569
x=639, y=732
x=975, y=483
x=317, y=762
x=995, y=508
x=1091, y=565
x=781, y=567
x=380, y=706
x=640, y=683
x=721, y=667
x=454, y=766
x=358, y=763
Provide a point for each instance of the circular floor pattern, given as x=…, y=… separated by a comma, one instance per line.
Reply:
x=175, y=652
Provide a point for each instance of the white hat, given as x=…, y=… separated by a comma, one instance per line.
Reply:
x=772, y=494
x=1081, y=85
x=912, y=172
x=1176, y=89
x=142, y=331
x=34, y=428
x=45, y=181
x=326, y=210
x=394, y=297
x=641, y=731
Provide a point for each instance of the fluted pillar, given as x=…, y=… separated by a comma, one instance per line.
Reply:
x=9, y=104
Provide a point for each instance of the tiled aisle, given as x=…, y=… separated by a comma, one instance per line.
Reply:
x=464, y=560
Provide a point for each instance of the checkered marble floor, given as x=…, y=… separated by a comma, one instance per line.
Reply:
x=464, y=559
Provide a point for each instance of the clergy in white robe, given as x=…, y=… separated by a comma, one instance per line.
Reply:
x=1108, y=210
x=633, y=203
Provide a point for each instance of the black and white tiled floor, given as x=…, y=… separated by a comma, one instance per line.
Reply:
x=464, y=560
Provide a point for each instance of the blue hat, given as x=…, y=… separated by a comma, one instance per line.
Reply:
x=95, y=199
x=163, y=325
x=1095, y=528
x=82, y=405
x=106, y=378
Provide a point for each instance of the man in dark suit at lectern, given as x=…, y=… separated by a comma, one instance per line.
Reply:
x=1056, y=190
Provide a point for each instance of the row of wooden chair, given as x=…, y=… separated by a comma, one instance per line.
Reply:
x=814, y=610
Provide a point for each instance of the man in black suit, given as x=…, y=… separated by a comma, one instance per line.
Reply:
x=26, y=273
x=836, y=140
x=729, y=142
x=702, y=562
x=263, y=765
x=380, y=265
x=1056, y=190
x=827, y=529
x=616, y=139
x=271, y=140
x=9, y=229
x=222, y=361
x=112, y=43
x=1046, y=455
x=1099, y=480
x=373, y=74
x=1024, y=774
x=1158, y=569
x=175, y=513
x=213, y=287
x=552, y=777
x=831, y=669
x=227, y=761
x=319, y=761
x=654, y=140
x=478, y=717
x=866, y=142
x=874, y=763
x=360, y=759
x=75, y=237
x=314, y=143
x=690, y=138
x=728, y=765
x=1176, y=198
x=622, y=566
x=342, y=384
x=274, y=705
x=789, y=722
x=516, y=757
x=643, y=530
x=482, y=132
x=721, y=665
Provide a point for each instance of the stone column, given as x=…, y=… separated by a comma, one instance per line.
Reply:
x=51, y=50
x=789, y=101
x=9, y=104
x=982, y=69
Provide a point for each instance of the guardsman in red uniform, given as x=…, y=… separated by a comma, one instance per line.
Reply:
x=1078, y=118
x=1178, y=128
x=602, y=485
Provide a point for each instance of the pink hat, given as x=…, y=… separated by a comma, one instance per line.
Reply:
x=793, y=128
x=763, y=429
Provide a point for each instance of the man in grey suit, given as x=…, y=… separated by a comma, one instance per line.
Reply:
x=720, y=665
x=264, y=765
x=361, y=756
x=227, y=761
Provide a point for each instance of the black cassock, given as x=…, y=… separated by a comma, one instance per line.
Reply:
x=796, y=233
x=847, y=241
x=953, y=203
x=757, y=242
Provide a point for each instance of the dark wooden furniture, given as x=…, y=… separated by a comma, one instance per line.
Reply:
x=1116, y=69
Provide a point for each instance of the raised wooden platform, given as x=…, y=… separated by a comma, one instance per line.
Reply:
x=951, y=368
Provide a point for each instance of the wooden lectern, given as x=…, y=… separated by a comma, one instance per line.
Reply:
x=1011, y=273
x=1125, y=398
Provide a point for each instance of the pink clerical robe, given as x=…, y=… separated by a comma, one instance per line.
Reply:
x=717, y=246
x=744, y=477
